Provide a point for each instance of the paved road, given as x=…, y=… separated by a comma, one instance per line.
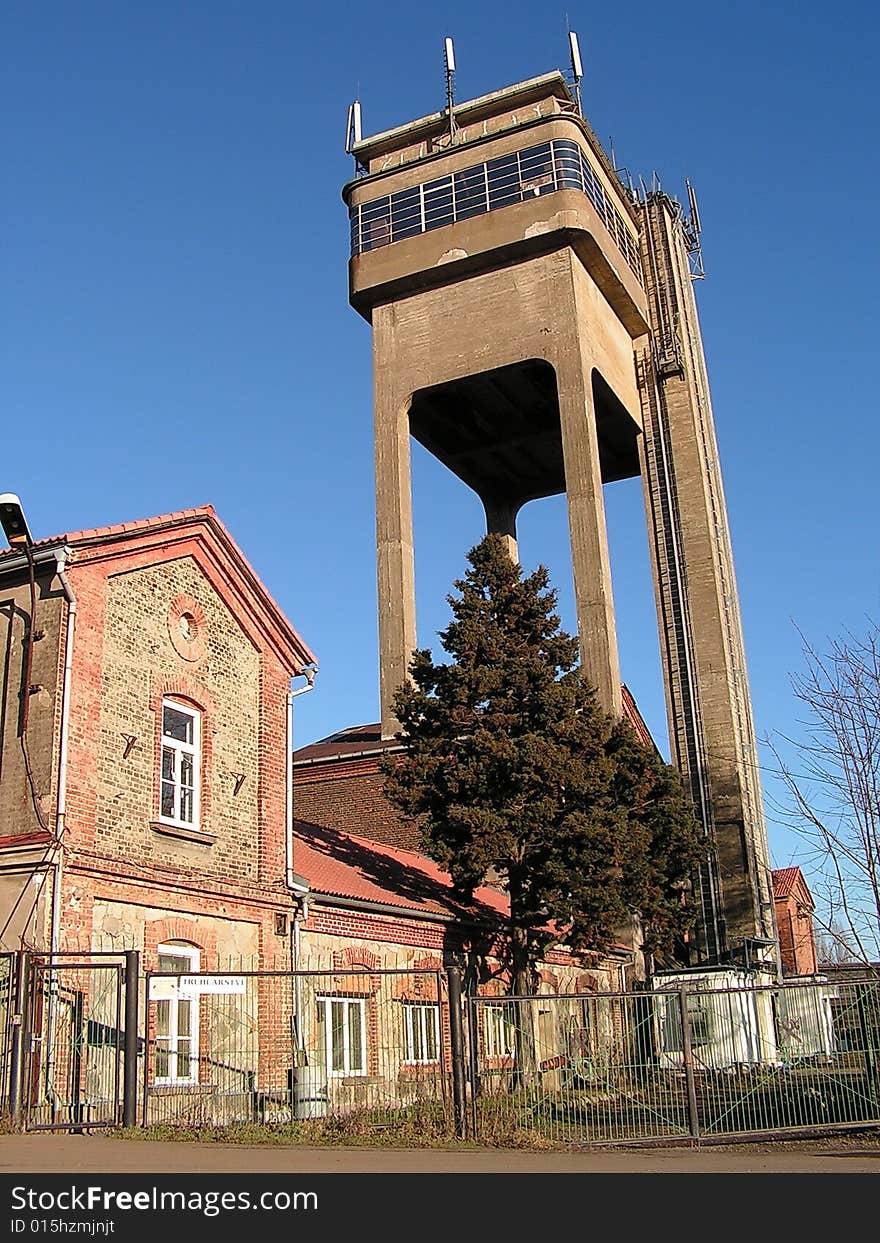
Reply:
x=105, y=1154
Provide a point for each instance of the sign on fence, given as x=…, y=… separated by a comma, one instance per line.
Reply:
x=212, y=984
x=164, y=987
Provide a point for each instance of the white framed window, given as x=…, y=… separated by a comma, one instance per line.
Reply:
x=177, y=1019
x=343, y=1029
x=179, y=775
x=421, y=1032
x=497, y=1029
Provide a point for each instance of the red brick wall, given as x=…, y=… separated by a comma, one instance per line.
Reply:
x=349, y=798
x=797, y=945
x=227, y=890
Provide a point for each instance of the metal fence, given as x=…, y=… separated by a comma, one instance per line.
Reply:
x=278, y=1047
x=686, y=1063
x=513, y=178
x=386, y=1048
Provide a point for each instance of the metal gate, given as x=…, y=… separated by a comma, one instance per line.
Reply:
x=8, y=968
x=692, y=1063
x=72, y=1043
x=793, y=1058
x=368, y=1045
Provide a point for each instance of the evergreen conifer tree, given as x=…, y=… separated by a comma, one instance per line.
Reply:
x=515, y=775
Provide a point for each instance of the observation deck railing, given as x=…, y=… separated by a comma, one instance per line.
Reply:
x=514, y=178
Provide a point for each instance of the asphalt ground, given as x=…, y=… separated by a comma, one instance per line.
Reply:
x=180, y=1191
x=45, y=1153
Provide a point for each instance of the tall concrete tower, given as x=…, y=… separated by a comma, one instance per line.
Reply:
x=534, y=328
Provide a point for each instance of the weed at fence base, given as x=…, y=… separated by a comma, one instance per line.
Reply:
x=423, y=1125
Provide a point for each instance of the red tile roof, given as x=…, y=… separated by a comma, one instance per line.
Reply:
x=163, y=522
x=344, y=865
x=785, y=880
x=124, y=528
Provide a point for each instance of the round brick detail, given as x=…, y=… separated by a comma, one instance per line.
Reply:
x=186, y=627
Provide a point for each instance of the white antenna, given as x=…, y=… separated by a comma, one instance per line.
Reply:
x=449, y=49
x=449, y=53
x=576, y=67
x=353, y=126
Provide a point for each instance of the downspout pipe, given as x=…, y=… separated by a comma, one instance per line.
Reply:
x=60, y=811
x=298, y=1040
x=61, y=806
x=296, y=884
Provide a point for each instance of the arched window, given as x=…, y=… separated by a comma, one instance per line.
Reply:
x=177, y=1016
x=180, y=764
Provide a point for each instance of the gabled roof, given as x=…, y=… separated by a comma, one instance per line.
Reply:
x=788, y=882
x=254, y=598
x=123, y=528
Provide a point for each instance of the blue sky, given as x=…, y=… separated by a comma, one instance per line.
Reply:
x=175, y=326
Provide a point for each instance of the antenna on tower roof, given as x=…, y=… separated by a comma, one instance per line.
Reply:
x=353, y=126
x=576, y=67
x=449, y=55
x=692, y=229
x=695, y=211
x=353, y=130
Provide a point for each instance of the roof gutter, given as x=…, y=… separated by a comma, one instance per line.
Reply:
x=388, y=908
x=59, y=554
x=61, y=803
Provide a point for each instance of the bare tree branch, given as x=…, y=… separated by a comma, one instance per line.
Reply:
x=833, y=802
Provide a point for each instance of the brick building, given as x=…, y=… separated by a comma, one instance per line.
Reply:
x=147, y=803
x=145, y=800
x=338, y=785
x=365, y=873
x=373, y=896
x=794, y=917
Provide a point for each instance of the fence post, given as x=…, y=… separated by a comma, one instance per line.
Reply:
x=456, y=1038
x=77, y=1024
x=251, y=1081
x=687, y=1054
x=129, y=1063
x=473, y=1060
x=19, y=1002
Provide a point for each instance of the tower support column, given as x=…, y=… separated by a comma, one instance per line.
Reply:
x=501, y=520
x=591, y=562
x=394, y=527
